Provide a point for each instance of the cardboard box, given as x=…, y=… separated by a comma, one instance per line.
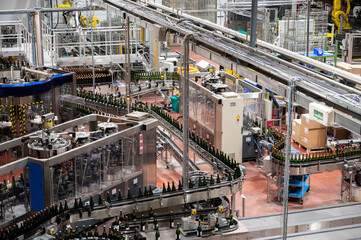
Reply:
x=339, y=133
x=296, y=128
x=309, y=123
x=313, y=138
x=351, y=68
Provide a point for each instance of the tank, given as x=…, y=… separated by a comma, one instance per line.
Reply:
x=48, y=145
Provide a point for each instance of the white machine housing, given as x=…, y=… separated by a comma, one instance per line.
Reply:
x=322, y=114
x=232, y=125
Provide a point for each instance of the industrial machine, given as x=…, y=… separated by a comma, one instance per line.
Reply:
x=339, y=17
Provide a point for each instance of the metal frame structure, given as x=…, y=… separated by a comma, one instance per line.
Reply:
x=128, y=128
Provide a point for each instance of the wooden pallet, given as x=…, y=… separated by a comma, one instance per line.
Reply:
x=309, y=150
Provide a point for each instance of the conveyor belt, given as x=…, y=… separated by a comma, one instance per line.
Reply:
x=203, y=154
x=319, y=166
x=263, y=62
x=176, y=151
x=345, y=232
x=299, y=222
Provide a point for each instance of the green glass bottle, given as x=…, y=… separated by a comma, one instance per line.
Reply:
x=108, y=197
x=91, y=201
x=126, y=225
x=76, y=203
x=151, y=213
x=171, y=220
x=83, y=233
x=104, y=234
x=140, y=193
x=169, y=188
x=157, y=234
x=100, y=199
x=121, y=217
x=80, y=204
x=129, y=196
x=155, y=222
x=178, y=232
x=190, y=184
x=211, y=182
x=134, y=214
x=164, y=190
x=180, y=185
x=199, y=229
x=218, y=179
x=150, y=191
x=216, y=226
x=66, y=205
x=173, y=187
x=145, y=191
x=142, y=224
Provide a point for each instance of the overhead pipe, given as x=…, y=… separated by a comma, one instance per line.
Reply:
x=185, y=103
x=295, y=56
x=258, y=51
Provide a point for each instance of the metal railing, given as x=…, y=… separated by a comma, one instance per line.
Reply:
x=68, y=44
x=15, y=39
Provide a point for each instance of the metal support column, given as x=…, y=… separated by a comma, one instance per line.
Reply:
x=90, y=20
x=233, y=203
x=185, y=77
x=287, y=163
x=127, y=63
x=308, y=28
x=39, y=42
x=254, y=23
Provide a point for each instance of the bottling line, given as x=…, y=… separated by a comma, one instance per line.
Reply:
x=99, y=97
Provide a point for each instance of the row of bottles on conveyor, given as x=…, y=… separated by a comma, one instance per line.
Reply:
x=85, y=75
x=327, y=154
x=155, y=75
x=33, y=222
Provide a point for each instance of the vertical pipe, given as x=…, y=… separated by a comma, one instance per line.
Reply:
x=92, y=45
x=254, y=23
x=287, y=163
x=308, y=28
x=39, y=42
x=127, y=58
x=184, y=71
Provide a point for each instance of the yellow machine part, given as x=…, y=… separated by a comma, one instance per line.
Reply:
x=337, y=12
x=48, y=124
x=68, y=4
x=84, y=21
x=191, y=70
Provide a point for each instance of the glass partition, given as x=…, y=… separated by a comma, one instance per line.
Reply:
x=202, y=109
x=14, y=197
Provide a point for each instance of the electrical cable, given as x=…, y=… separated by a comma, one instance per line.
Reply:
x=57, y=20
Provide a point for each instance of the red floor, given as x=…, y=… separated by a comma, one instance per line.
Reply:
x=325, y=189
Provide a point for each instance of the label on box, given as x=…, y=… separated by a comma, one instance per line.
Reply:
x=307, y=120
x=306, y=130
x=294, y=123
x=293, y=133
x=305, y=140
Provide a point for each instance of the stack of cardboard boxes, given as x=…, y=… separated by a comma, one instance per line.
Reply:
x=309, y=133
